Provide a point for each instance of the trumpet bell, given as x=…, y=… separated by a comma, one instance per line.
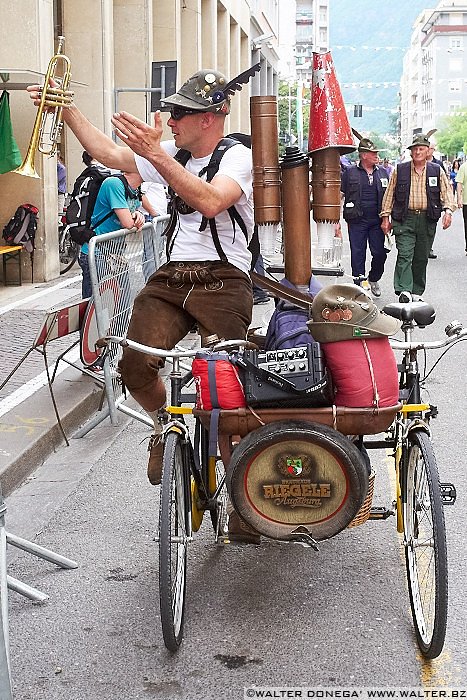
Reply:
x=27, y=168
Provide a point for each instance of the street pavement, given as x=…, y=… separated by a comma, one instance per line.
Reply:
x=274, y=615
x=28, y=424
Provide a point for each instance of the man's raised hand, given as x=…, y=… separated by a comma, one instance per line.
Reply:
x=137, y=135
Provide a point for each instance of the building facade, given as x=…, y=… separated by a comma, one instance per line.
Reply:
x=112, y=46
x=433, y=83
x=312, y=35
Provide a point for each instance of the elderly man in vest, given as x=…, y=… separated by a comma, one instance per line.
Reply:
x=363, y=187
x=418, y=193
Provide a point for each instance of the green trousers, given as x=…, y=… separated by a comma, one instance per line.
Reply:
x=414, y=239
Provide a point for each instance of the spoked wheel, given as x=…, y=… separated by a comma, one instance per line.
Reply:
x=219, y=517
x=174, y=534
x=213, y=485
x=68, y=251
x=425, y=546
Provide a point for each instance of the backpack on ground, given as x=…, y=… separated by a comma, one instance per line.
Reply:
x=83, y=198
x=21, y=229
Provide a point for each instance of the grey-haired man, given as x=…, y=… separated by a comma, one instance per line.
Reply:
x=363, y=186
x=419, y=193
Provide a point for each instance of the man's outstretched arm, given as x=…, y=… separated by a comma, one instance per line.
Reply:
x=94, y=141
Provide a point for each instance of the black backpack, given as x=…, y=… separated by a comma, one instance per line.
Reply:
x=21, y=229
x=83, y=198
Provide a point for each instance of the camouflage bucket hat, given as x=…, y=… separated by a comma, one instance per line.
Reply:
x=345, y=312
x=204, y=91
x=367, y=145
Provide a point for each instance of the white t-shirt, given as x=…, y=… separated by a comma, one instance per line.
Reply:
x=157, y=197
x=189, y=243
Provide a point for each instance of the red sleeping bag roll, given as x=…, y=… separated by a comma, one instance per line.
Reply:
x=217, y=382
x=364, y=372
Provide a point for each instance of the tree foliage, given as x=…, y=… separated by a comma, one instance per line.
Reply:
x=452, y=137
x=287, y=112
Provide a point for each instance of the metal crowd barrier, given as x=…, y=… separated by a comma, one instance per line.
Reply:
x=120, y=263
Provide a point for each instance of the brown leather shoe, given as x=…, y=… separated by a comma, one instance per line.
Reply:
x=156, y=451
x=240, y=531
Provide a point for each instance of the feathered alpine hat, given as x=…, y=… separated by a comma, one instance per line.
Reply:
x=422, y=139
x=208, y=91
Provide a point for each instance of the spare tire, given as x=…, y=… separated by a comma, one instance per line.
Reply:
x=292, y=477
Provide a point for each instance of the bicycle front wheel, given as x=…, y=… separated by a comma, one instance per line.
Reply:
x=425, y=545
x=174, y=533
x=68, y=251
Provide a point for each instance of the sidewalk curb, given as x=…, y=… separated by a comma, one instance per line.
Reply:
x=30, y=432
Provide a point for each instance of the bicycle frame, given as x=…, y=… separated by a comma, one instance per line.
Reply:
x=205, y=488
x=413, y=415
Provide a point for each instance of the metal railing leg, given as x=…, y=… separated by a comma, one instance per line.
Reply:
x=40, y=552
x=5, y=683
x=15, y=585
x=25, y=590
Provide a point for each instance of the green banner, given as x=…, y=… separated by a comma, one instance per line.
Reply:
x=10, y=156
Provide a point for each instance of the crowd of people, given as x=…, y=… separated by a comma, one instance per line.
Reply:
x=369, y=191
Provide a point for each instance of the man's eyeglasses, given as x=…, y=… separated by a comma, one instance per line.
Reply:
x=177, y=113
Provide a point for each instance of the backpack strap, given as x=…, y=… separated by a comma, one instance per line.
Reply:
x=101, y=221
x=182, y=156
x=210, y=170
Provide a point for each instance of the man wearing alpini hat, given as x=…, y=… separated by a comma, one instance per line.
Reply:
x=419, y=193
x=206, y=280
x=363, y=186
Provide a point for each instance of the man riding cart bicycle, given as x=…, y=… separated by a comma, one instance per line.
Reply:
x=292, y=444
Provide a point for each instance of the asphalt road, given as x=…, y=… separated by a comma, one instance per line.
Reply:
x=274, y=615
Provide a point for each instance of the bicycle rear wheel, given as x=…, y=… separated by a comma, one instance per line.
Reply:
x=213, y=476
x=219, y=517
x=174, y=533
x=425, y=545
x=68, y=251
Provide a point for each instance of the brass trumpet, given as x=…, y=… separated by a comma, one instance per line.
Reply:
x=48, y=124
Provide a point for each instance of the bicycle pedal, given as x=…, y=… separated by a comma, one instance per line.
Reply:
x=448, y=494
x=380, y=513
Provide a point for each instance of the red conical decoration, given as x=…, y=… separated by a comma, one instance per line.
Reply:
x=329, y=125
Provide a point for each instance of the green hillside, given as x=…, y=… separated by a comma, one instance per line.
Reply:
x=368, y=40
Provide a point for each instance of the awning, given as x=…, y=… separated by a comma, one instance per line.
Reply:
x=14, y=79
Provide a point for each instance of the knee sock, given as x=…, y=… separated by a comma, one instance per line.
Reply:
x=154, y=415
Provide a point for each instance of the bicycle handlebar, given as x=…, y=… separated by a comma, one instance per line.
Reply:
x=158, y=352
x=459, y=334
